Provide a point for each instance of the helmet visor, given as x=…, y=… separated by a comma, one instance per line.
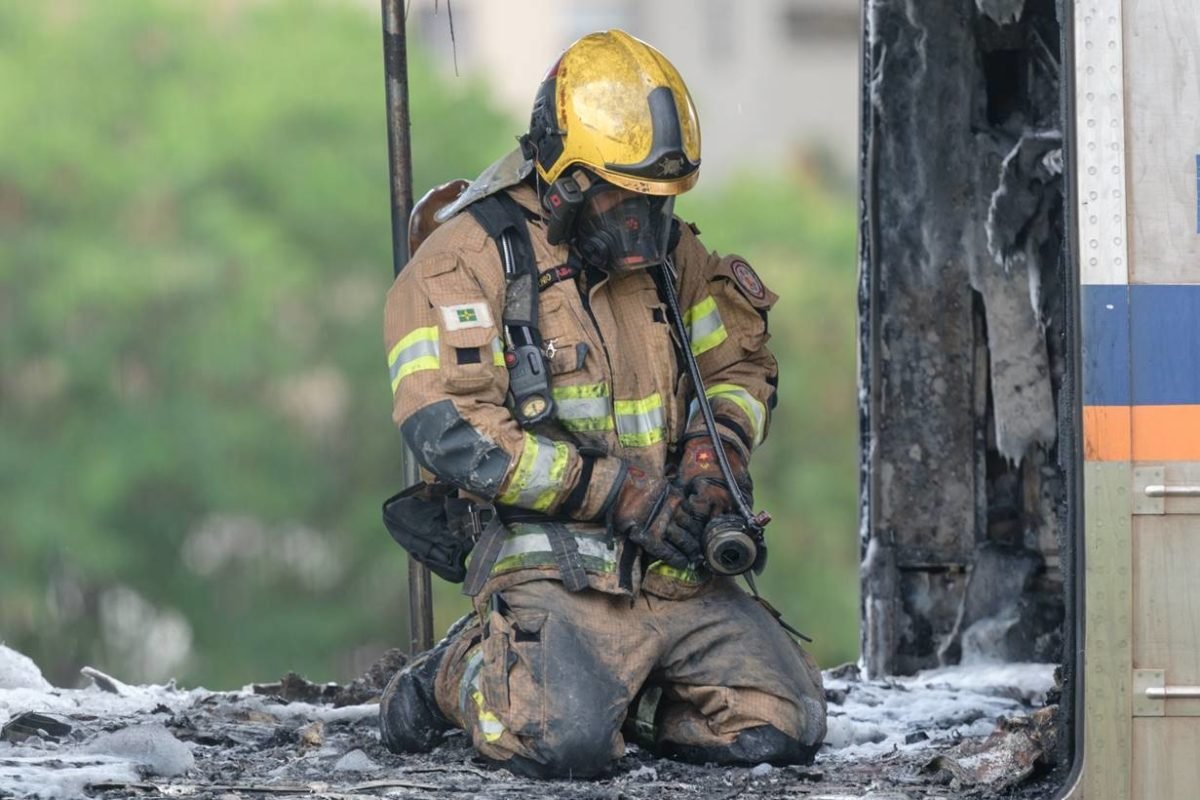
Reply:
x=620, y=230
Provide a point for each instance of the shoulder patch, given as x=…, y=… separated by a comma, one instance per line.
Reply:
x=747, y=279
x=466, y=315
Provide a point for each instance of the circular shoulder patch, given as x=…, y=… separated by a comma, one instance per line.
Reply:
x=748, y=280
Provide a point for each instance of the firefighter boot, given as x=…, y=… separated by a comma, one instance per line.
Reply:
x=409, y=718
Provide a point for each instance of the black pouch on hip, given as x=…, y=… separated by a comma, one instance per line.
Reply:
x=435, y=526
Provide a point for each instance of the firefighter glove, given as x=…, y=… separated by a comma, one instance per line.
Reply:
x=646, y=512
x=706, y=492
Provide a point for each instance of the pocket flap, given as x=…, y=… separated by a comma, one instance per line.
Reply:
x=470, y=337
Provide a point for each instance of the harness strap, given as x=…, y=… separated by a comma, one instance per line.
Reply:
x=566, y=557
x=487, y=550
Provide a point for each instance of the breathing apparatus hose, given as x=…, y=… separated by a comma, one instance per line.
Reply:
x=719, y=529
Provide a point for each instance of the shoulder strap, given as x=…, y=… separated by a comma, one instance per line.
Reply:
x=504, y=221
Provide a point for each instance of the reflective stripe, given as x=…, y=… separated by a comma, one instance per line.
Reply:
x=537, y=480
x=685, y=575
x=525, y=543
x=640, y=423
x=528, y=547
x=704, y=325
x=470, y=678
x=497, y=352
x=755, y=411
x=415, y=352
x=583, y=407
x=489, y=724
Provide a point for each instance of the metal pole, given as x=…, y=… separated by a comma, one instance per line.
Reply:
x=395, y=65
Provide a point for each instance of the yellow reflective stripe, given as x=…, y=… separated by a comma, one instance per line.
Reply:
x=686, y=575
x=705, y=329
x=580, y=391
x=470, y=678
x=528, y=546
x=415, y=352
x=755, y=411
x=582, y=407
x=497, y=352
x=558, y=471
x=635, y=407
x=489, y=724
x=640, y=423
x=537, y=480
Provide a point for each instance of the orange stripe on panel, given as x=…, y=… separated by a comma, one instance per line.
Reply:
x=1106, y=433
x=1166, y=433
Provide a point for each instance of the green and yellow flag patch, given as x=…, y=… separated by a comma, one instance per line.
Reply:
x=467, y=315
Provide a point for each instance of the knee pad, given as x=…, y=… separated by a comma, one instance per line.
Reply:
x=582, y=751
x=764, y=743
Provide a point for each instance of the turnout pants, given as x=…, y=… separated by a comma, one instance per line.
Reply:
x=544, y=683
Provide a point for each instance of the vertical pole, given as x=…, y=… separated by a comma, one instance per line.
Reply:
x=395, y=65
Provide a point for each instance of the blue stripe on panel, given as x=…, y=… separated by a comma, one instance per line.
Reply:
x=1105, y=311
x=1165, y=339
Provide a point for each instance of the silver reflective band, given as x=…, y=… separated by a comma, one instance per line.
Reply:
x=705, y=329
x=470, y=678
x=422, y=348
x=754, y=410
x=527, y=543
x=640, y=423
x=538, y=476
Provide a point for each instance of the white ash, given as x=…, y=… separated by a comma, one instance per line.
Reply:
x=930, y=709
x=151, y=746
x=643, y=774
x=17, y=671
x=355, y=761
x=58, y=777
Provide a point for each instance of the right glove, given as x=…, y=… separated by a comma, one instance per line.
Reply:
x=700, y=478
x=646, y=512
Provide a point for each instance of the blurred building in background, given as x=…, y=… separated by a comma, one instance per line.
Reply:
x=775, y=82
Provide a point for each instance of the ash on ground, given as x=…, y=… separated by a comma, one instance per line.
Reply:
x=962, y=732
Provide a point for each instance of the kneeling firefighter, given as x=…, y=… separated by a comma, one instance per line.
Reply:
x=585, y=384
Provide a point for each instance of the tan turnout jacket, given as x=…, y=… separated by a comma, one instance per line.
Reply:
x=619, y=389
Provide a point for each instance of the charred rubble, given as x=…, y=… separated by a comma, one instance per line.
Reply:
x=959, y=732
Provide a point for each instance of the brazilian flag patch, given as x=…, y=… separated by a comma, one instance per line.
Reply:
x=467, y=315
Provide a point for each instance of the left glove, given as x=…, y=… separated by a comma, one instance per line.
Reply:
x=646, y=511
x=706, y=493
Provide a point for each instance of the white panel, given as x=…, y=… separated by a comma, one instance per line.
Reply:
x=1100, y=144
x=1162, y=68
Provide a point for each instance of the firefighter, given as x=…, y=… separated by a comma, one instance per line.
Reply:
x=595, y=620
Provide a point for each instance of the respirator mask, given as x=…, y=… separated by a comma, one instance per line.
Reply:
x=611, y=228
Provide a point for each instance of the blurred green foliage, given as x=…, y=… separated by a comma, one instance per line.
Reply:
x=194, y=411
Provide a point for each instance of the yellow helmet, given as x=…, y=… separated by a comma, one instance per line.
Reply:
x=616, y=106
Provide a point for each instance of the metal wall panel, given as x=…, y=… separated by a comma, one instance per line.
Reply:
x=1100, y=145
x=1162, y=101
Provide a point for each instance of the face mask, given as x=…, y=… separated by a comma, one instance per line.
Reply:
x=619, y=231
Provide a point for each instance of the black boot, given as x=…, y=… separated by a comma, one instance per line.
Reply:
x=409, y=718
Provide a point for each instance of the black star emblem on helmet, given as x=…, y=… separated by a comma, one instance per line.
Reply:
x=669, y=167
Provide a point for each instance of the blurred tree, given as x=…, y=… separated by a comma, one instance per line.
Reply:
x=194, y=435
x=194, y=210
